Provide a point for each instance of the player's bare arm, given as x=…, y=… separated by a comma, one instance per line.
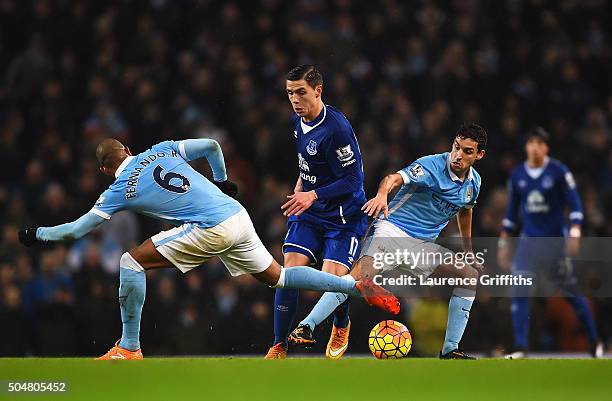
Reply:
x=378, y=204
x=464, y=222
x=298, y=185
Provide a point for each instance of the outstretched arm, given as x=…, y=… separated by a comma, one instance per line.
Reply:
x=63, y=232
x=464, y=221
x=378, y=204
x=192, y=149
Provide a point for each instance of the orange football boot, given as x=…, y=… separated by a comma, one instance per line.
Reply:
x=277, y=351
x=377, y=296
x=338, y=342
x=118, y=353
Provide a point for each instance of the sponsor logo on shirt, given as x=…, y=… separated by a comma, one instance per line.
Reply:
x=536, y=203
x=302, y=163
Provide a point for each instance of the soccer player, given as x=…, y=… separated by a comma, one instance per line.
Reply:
x=539, y=191
x=433, y=190
x=161, y=184
x=325, y=220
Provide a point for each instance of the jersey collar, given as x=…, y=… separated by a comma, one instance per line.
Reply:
x=123, y=165
x=454, y=176
x=537, y=171
x=307, y=128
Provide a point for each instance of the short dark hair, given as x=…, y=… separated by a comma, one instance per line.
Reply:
x=540, y=133
x=475, y=132
x=308, y=73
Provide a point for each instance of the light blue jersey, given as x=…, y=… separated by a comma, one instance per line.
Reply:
x=431, y=195
x=161, y=184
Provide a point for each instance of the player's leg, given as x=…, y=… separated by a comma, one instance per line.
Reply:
x=520, y=307
x=301, y=245
x=329, y=302
x=459, y=307
x=580, y=304
x=339, y=253
x=132, y=292
x=341, y=325
x=286, y=302
x=247, y=254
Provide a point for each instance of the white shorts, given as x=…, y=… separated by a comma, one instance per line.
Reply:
x=387, y=238
x=234, y=241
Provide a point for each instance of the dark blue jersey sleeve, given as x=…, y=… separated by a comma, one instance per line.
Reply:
x=572, y=197
x=510, y=222
x=342, y=155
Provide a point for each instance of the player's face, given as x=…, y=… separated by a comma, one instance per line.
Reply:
x=304, y=98
x=536, y=149
x=464, y=154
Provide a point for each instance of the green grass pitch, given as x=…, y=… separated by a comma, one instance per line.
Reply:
x=312, y=379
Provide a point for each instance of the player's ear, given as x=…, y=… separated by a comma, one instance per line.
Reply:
x=128, y=151
x=480, y=154
x=318, y=90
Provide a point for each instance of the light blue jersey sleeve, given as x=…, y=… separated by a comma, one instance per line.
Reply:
x=70, y=231
x=111, y=201
x=422, y=173
x=192, y=149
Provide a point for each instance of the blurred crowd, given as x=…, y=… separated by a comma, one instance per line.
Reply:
x=406, y=74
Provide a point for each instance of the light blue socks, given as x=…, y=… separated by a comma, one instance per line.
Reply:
x=308, y=278
x=458, y=314
x=132, y=290
x=326, y=305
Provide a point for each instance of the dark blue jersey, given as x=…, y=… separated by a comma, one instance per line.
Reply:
x=538, y=198
x=329, y=162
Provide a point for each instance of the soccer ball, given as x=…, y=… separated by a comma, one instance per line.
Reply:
x=389, y=340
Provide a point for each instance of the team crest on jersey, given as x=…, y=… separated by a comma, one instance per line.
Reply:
x=417, y=171
x=345, y=153
x=100, y=200
x=311, y=148
x=468, y=195
x=547, y=182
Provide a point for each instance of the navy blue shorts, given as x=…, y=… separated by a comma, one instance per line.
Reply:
x=334, y=245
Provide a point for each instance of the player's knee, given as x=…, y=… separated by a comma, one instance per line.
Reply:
x=127, y=261
x=469, y=272
x=293, y=259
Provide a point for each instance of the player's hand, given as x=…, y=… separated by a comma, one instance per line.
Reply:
x=572, y=246
x=374, y=206
x=28, y=236
x=227, y=187
x=298, y=203
x=479, y=266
